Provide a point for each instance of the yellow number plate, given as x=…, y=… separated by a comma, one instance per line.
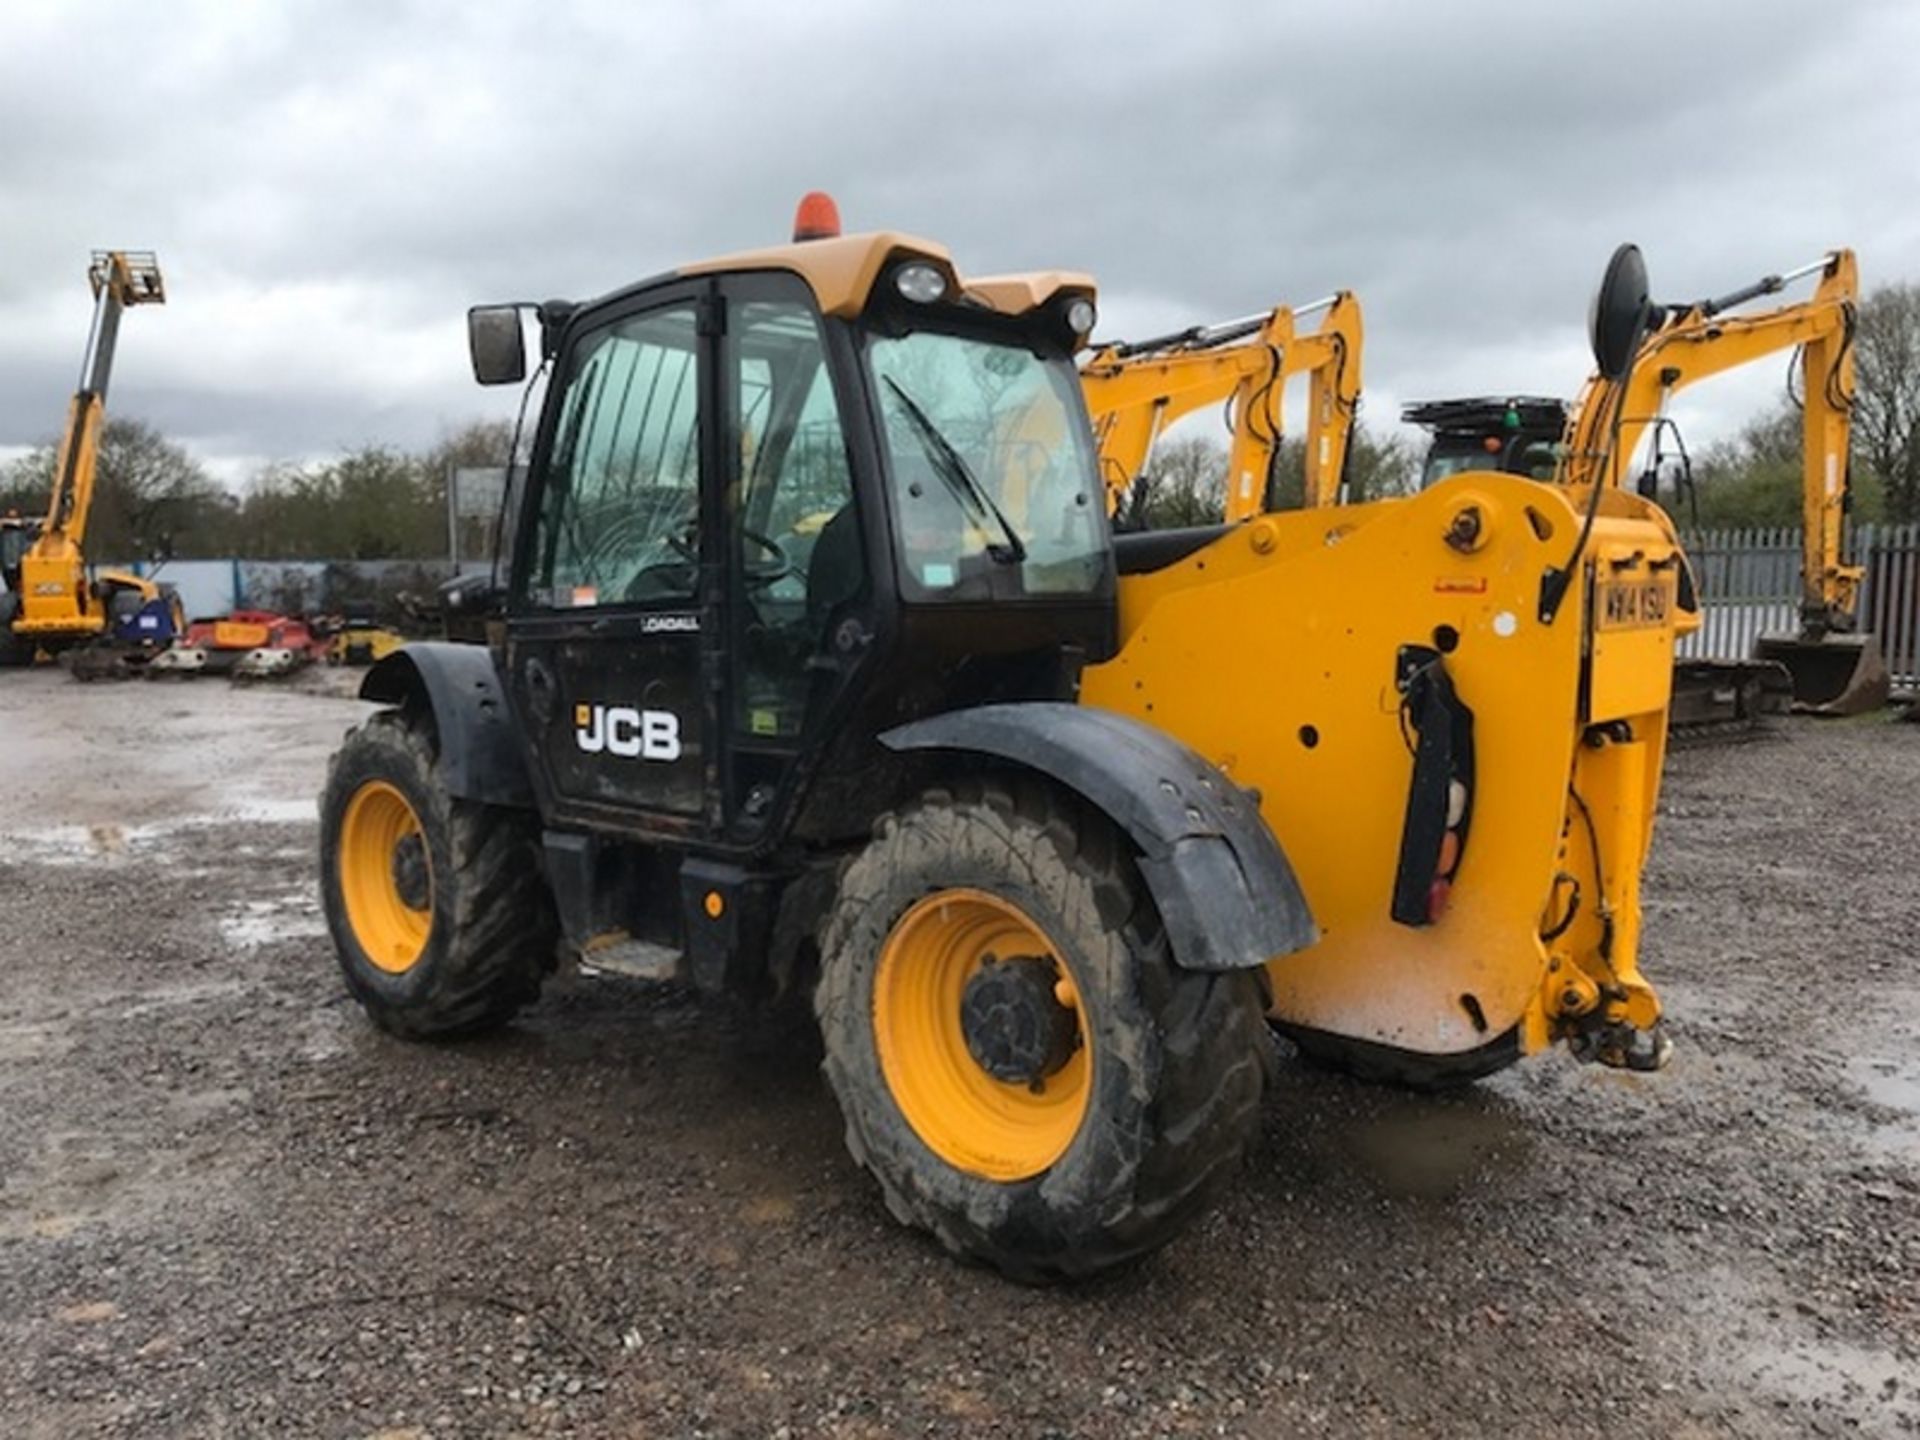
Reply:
x=1635, y=604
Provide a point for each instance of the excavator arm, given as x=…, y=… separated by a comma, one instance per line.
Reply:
x=1699, y=341
x=1135, y=391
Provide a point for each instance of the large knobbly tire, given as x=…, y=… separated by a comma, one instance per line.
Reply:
x=1180, y=1060
x=489, y=930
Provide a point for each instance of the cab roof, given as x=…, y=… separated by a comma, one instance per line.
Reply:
x=1488, y=412
x=843, y=270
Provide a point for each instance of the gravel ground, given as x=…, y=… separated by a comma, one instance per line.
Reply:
x=228, y=1207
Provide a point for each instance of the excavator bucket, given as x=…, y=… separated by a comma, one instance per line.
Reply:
x=1832, y=675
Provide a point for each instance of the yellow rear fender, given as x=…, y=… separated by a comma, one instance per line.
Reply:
x=1289, y=652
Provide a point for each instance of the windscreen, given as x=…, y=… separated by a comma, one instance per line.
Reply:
x=995, y=488
x=1536, y=458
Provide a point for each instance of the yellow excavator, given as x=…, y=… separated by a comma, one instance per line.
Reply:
x=1051, y=823
x=1830, y=666
x=1836, y=669
x=54, y=602
x=1136, y=390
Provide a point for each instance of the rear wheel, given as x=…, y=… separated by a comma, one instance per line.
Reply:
x=1020, y=1063
x=439, y=912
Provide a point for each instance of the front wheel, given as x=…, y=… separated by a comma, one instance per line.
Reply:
x=15, y=649
x=1020, y=1063
x=438, y=908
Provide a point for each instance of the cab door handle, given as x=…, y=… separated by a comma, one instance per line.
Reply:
x=540, y=694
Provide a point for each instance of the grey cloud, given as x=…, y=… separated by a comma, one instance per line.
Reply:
x=1466, y=168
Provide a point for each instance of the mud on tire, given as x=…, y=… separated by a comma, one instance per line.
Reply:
x=493, y=933
x=1181, y=1059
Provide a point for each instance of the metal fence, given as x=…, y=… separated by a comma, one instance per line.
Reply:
x=1750, y=582
x=209, y=588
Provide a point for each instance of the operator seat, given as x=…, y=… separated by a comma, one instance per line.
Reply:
x=836, y=570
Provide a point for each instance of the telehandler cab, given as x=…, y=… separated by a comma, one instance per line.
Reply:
x=820, y=667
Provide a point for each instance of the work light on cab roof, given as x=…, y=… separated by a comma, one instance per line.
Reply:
x=817, y=217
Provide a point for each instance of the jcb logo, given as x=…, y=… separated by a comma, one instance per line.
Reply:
x=621, y=730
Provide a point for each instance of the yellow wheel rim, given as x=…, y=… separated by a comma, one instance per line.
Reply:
x=380, y=837
x=994, y=1128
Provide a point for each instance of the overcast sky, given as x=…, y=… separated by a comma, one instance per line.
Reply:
x=330, y=185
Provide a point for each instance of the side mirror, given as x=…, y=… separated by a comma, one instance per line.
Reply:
x=498, y=346
x=1621, y=313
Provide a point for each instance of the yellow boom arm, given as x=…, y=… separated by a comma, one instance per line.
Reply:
x=1699, y=341
x=55, y=600
x=1135, y=391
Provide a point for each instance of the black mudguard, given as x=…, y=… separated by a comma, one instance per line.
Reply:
x=480, y=754
x=1226, y=893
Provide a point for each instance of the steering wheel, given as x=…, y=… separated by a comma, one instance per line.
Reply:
x=678, y=578
x=776, y=565
x=672, y=579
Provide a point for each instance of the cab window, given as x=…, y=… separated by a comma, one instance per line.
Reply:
x=797, y=561
x=619, y=519
x=991, y=465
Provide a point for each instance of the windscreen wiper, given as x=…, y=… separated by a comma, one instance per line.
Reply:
x=951, y=467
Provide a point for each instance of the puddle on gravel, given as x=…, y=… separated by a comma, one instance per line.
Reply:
x=1855, y=1381
x=65, y=845
x=253, y=923
x=94, y=844
x=268, y=812
x=1427, y=1149
x=1894, y=1084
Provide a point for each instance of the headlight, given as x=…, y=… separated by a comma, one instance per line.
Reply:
x=920, y=283
x=1081, y=315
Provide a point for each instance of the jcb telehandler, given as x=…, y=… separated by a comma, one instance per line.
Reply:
x=55, y=601
x=820, y=666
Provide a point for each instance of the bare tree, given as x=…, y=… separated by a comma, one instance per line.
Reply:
x=1886, y=414
x=1375, y=469
x=1184, y=483
x=149, y=494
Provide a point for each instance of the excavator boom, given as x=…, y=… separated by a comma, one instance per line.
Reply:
x=1828, y=666
x=1135, y=391
x=1834, y=669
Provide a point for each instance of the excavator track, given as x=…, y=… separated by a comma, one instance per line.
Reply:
x=1723, y=701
